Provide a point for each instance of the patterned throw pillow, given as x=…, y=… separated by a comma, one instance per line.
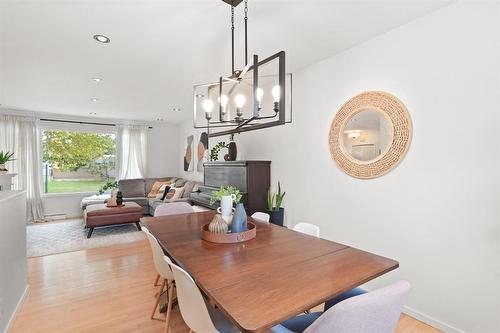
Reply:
x=161, y=192
x=174, y=193
x=156, y=187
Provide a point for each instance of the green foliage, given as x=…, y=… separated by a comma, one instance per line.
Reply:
x=6, y=157
x=214, y=152
x=69, y=151
x=110, y=184
x=275, y=200
x=223, y=191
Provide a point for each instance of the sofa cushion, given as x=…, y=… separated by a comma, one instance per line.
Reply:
x=132, y=188
x=149, y=182
x=162, y=193
x=188, y=188
x=180, y=182
x=157, y=187
x=174, y=193
x=143, y=201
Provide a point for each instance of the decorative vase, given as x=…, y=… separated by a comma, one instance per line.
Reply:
x=3, y=169
x=119, y=198
x=218, y=225
x=277, y=216
x=226, y=207
x=239, y=219
x=233, y=151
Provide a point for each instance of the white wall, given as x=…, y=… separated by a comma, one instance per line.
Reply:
x=162, y=161
x=186, y=129
x=437, y=212
x=163, y=142
x=13, y=263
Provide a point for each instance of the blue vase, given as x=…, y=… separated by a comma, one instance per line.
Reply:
x=239, y=223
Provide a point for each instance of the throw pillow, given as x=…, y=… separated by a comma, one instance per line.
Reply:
x=174, y=193
x=165, y=192
x=156, y=187
x=161, y=191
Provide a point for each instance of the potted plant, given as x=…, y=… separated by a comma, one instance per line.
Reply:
x=110, y=185
x=232, y=151
x=226, y=196
x=274, y=208
x=4, y=158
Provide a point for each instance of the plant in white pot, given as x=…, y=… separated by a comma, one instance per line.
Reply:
x=4, y=158
x=226, y=196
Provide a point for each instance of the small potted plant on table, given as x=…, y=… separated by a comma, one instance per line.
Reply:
x=274, y=208
x=226, y=196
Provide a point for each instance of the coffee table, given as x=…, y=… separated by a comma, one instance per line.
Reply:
x=99, y=215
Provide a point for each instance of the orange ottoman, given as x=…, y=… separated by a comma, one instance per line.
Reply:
x=100, y=215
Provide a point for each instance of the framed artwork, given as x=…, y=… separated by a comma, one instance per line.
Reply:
x=202, y=151
x=188, y=156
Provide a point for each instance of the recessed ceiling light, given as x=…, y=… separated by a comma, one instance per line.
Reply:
x=93, y=99
x=176, y=109
x=96, y=79
x=102, y=38
x=199, y=95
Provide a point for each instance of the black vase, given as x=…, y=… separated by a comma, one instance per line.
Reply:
x=277, y=216
x=119, y=198
x=233, y=151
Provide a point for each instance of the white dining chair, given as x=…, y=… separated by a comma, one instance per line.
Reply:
x=307, y=228
x=199, y=316
x=377, y=311
x=264, y=217
x=173, y=208
x=166, y=274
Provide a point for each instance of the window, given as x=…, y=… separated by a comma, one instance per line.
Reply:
x=75, y=161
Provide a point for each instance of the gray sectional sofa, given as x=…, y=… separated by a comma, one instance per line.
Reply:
x=137, y=190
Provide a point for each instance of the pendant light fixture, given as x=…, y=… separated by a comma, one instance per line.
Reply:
x=247, y=99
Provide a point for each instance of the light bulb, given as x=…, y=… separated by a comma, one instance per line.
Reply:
x=223, y=100
x=208, y=105
x=258, y=94
x=276, y=92
x=240, y=101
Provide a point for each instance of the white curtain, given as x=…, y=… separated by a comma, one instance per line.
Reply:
x=22, y=136
x=131, y=146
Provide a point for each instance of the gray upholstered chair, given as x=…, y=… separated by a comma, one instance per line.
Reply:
x=374, y=312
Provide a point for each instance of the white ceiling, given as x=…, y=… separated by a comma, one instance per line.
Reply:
x=160, y=49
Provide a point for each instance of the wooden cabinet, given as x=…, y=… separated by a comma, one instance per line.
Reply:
x=252, y=178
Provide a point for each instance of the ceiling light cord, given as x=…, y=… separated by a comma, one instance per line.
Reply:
x=246, y=33
x=232, y=39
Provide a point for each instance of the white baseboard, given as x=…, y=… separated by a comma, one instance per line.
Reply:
x=431, y=321
x=17, y=309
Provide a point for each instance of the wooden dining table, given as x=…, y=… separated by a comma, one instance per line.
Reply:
x=266, y=280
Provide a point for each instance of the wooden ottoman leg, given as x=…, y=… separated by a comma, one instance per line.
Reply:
x=138, y=226
x=90, y=232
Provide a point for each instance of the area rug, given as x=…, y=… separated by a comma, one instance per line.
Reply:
x=67, y=236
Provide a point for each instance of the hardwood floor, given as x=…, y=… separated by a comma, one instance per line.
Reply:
x=106, y=289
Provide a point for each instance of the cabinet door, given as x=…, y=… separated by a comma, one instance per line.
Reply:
x=221, y=175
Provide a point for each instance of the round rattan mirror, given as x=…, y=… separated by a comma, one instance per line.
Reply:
x=370, y=134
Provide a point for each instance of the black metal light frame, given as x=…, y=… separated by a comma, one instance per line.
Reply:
x=246, y=125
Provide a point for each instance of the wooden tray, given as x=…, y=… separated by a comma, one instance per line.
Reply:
x=229, y=238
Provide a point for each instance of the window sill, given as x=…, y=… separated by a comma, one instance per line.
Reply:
x=67, y=194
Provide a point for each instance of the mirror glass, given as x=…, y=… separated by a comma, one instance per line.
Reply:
x=367, y=135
